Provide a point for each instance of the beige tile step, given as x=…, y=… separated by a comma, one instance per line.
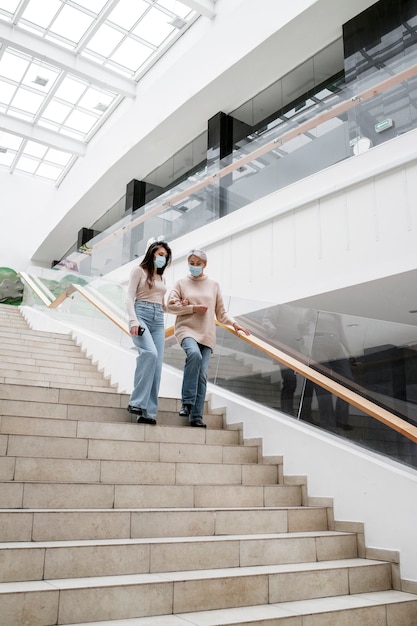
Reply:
x=44, y=360
x=87, y=447
x=119, y=472
x=26, y=561
x=77, y=495
x=76, y=600
x=97, y=524
x=63, y=426
x=387, y=608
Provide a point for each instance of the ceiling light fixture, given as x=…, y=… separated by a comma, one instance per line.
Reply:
x=40, y=80
x=100, y=106
x=177, y=22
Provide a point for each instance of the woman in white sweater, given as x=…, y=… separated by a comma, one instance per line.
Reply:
x=145, y=305
x=196, y=300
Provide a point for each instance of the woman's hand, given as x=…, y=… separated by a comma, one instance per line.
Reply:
x=238, y=328
x=134, y=330
x=200, y=309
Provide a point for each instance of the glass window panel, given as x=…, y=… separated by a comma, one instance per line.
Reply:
x=27, y=164
x=8, y=140
x=71, y=24
x=93, y=97
x=35, y=149
x=105, y=40
x=131, y=54
x=27, y=100
x=93, y=5
x=49, y=171
x=154, y=27
x=6, y=92
x=6, y=158
x=176, y=7
x=10, y=5
x=80, y=121
x=298, y=82
x=41, y=12
x=13, y=66
x=70, y=90
x=56, y=112
x=39, y=73
x=57, y=156
x=127, y=13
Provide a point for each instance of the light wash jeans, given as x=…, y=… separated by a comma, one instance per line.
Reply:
x=150, y=346
x=194, y=382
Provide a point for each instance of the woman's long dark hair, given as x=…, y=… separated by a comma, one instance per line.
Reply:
x=148, y=265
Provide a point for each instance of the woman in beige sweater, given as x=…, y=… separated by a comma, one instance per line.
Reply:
x=196, y=300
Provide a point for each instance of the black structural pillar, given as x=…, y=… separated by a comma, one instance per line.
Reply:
x=223, y=131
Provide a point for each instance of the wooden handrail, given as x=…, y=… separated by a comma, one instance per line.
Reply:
x=353, y=398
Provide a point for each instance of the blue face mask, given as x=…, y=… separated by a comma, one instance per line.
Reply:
x=195, y=270
x=159, y=261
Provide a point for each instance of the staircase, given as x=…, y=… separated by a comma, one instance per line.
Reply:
x=106, y=521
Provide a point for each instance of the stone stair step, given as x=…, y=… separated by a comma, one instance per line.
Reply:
x=393, y=608
x=45, y=560
x=79, y=447
x=78, y=495
x=75, y=600
x=118, y=472
x=83, y=524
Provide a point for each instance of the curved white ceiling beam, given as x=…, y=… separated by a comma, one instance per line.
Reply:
x=49, y=138
x=20, y=39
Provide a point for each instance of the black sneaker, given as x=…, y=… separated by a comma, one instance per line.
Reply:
x=198, y=422
x=185, y=410
x=146, y=420
x=135, y=410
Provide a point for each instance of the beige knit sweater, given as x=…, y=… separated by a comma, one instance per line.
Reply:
x=197, y=290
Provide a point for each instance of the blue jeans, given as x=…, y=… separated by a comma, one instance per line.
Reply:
x=194, y=383
x=150, y=346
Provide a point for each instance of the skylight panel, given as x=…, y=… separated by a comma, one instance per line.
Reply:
x=48, y=171
x=57, y=156
x=70, y=90
x=56, y=112
x=96, y=100
x=10, y=5
x=41, y=12
x=56, y=92
x=153, y=27
x=176, y=7
x=40, y=76
x=27, y=164
x=7, y=140
x=71, y=24
x=80, y=121
x=131, y=54
x=7, y=92
x=27, y=101
x=127, y=12
x=105, y=40
x=13, y=66
x=35, y=149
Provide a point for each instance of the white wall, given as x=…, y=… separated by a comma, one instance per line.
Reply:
x=26, y=205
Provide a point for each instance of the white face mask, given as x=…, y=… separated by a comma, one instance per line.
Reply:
x=195, y=270
x=159, y=261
